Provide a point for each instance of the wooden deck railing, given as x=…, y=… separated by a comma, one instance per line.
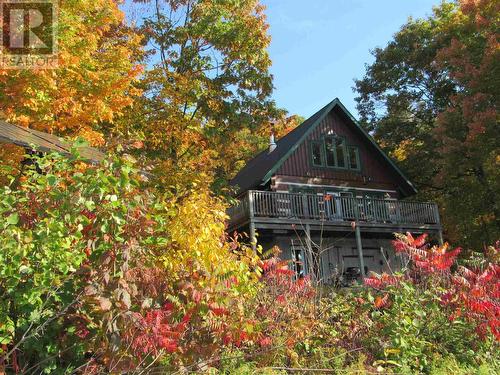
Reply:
x=266, y=204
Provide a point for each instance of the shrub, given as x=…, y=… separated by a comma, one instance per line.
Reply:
x=431, y=309
x=99, y=271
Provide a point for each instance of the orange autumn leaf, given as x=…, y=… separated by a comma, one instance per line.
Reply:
x=381, y=301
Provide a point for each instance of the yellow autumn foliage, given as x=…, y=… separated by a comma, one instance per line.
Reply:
x=198, y=240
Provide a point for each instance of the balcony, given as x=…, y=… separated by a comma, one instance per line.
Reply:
x=274, y=210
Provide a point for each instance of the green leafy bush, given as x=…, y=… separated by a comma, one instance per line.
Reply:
x=430, y=311
x=99, y=269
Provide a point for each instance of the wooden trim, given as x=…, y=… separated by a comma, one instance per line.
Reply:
x=336, y=187
x=323, y=226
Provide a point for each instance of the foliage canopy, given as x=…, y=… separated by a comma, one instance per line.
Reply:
x=431, y=99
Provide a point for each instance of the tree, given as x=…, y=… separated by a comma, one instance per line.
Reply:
x=208, y=80
x=467, y=130
x=410, y=99
x=98, y=61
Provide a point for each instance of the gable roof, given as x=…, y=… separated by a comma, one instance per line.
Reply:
x=259, y=170
x=44, y=142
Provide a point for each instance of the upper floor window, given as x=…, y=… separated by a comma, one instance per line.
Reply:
x=317, y=153
x=340, y=152
x=330, y=152
x=333, y=152
x=354, y=162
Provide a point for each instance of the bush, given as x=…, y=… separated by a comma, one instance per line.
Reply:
x=436, y=316
x=99, y=271
x=430, y=310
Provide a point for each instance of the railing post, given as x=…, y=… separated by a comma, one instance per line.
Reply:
x=440, y=237
x=398, y=211
x=253, y=236
x=356, y=202
x=436, y=214
x=305, y=206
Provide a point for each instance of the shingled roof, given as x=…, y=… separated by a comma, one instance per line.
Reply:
x=44, y=142
x=259, y=170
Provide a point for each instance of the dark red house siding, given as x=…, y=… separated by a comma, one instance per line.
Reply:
x=375, y=171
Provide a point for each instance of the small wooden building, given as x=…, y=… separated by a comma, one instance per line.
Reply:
x=36, y=141
x=329, y=198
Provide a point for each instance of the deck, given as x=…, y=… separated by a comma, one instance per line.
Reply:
x=275, y=210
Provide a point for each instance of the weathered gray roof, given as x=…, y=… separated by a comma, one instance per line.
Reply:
x=44, y=142
x=259, y=170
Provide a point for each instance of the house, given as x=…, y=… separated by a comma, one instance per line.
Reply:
x=329, y=198
x=36, y=141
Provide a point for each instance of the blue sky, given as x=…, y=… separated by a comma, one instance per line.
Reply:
x=319, y=46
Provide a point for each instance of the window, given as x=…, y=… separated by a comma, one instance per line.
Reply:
x=333, y=152
x=340, y=152
x=354, y=158
x=330, y=152
x=316, y=153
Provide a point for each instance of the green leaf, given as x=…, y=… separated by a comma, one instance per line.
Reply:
x=51, y=179
x=13, y=219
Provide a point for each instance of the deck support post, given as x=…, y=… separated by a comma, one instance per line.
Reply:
x=440, y=237
x=253, y=236
x=359, y=245
x=438, y=222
